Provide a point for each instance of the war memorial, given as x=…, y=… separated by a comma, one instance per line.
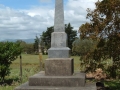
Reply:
x=59, y=67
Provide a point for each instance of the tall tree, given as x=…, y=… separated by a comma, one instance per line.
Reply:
x=36, y=43
x=104, y=26
x=71, y=34
x=46, y=37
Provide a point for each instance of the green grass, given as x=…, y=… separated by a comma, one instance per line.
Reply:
x=113, y=84
x=76, y=63
x=30, y=59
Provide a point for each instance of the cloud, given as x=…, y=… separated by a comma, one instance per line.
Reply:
x=23, y=24
x=75, y=11
x=17, y=24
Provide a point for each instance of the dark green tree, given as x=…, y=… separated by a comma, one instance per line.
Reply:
x=36, y=44
x=71, y=34
x=8, y=53
x=46, y=37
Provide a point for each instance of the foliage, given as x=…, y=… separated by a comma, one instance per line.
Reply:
x=46, y=37
x=104, y=26
x=26, y=47
x=36, y=44
x=84, y=30
x=113, y=84
x=71, y=35
x=83, y=46
x=85, y=49
x=39, y=45
x=8, y=53
x=29, y=48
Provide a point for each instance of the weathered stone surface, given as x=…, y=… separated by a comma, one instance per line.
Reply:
x=40, y=79
x=59, y=16
x=25, y=86
x=59, y=39
x=59, y=66
x=59, y=52
x=58, y=73
x=59, y=47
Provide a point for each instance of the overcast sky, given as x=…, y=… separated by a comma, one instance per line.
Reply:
x=24, y=19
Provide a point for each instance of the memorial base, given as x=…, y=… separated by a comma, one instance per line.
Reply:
x=59, y=67
x=40, y=79
x=41, y=82
x=58, y=75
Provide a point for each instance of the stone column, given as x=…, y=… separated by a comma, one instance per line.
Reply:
x=59, y=47
x=59, y=17
x=58, y=62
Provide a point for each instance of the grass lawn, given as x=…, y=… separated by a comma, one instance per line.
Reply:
x=30, y=66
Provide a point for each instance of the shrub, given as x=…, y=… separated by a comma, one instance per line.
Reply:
x=8, y=53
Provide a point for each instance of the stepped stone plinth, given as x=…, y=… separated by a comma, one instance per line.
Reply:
x=40, y=79
x=25, y=86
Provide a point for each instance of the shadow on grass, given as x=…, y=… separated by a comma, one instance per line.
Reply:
x=9, y=81
x=113, y=85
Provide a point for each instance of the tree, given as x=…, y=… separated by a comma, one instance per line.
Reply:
x=22, y=44
x=39, y=45
x=8, y=53
x=46, y=37
x=104, y=27
x=36, y=43
x=29, y=49
x=83, y=46
x=71, y=35
x=84, y=30
x=26, y=47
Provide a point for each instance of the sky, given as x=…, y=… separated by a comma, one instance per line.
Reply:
x=24, y=19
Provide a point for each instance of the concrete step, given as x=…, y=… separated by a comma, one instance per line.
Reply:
x=25, y=86
x=40, y=79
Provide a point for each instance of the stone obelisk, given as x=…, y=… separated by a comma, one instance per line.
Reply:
x=59, y=47
x=59, y=68
x=58, y=62
x=59, y=16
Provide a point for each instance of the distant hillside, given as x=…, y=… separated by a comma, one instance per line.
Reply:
x=26, y=40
